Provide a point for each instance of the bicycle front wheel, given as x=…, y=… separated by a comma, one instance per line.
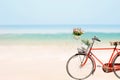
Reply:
x=116, y=66
x=74, y=68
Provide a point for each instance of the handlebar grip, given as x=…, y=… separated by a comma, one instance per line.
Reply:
x=97, y=39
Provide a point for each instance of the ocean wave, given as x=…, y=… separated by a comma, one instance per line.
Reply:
x=36, y=32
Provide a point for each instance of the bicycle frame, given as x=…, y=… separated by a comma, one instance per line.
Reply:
x=111, y=57
x=86, y=60
x=107, y=65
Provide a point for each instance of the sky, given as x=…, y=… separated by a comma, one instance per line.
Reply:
x=39, y=12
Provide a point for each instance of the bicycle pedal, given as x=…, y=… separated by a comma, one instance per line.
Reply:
x=99, y=66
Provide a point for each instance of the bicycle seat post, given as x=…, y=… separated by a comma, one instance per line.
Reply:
x=115, y=44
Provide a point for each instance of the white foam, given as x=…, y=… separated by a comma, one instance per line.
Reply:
x=34, y=31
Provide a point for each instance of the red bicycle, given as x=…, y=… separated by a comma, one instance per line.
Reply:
x=81, y=65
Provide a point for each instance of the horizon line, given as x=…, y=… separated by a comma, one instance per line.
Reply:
x=57, y=32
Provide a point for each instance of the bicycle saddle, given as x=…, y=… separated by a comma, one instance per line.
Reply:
x=114, y=43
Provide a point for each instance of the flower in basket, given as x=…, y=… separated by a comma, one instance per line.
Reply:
x=77, y=31
x=86, y=42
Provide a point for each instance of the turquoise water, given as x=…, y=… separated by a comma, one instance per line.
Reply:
x=45, y=34
x=54, y=38
x=102, y=36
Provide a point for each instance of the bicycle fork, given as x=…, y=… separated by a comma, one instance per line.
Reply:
x=84, y=60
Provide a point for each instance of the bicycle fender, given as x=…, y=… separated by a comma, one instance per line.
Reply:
x=94, y=63
x=118, y=54
x=80, y=53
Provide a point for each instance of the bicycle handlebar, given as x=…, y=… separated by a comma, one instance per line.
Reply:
x=97, y=39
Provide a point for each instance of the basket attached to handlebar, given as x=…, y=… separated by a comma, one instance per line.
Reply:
x=82, y=50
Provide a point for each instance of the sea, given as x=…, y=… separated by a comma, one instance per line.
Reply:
x=53, y=34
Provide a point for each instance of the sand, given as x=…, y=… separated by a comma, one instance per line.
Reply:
x=42, y=62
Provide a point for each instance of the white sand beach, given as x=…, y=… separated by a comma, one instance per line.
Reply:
x=41, y=62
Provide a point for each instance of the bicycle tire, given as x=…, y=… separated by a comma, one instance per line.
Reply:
x=77, y=72
x=116, y=61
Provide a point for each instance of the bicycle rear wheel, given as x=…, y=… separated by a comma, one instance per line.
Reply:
x=116, y=66
x=74, y=68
